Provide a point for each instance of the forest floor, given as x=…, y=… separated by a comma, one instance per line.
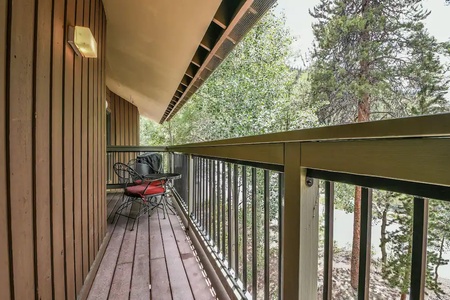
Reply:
x=379, y=288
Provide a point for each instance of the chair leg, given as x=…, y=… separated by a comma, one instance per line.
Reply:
x=164, y=199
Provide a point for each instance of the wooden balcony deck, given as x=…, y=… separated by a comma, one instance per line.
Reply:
x=154, y=261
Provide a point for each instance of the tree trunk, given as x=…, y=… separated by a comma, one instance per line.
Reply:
x=356, y=238
x=403, y=296
x=363, y=116
x=438, y=263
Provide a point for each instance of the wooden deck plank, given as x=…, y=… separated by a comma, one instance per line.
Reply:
x=159, y=278
x=140, y=280
x=129, y=270
x=193, y=271
x=156, y=245
x=113, y=205
x=103, y=279
x=177, y=275
x=160, y=286
x=120, y=287
x=180, y=235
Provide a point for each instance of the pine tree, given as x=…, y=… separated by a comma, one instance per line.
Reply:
x=373, y=59
x=398, y=265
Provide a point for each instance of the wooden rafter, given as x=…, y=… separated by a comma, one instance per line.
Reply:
x=225, y=20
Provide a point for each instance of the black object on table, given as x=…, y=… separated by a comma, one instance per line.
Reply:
x=153, y=160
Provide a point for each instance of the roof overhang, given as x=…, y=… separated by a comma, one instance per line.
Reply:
x=160, y=52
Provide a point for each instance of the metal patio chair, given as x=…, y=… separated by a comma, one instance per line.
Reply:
x=137, y=190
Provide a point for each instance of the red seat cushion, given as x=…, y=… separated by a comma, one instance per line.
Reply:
x=156, y=182
x=142, y=190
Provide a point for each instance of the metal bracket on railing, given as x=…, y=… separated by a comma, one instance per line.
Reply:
x=309, y=181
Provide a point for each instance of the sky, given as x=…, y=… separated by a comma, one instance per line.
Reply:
x=299, y=21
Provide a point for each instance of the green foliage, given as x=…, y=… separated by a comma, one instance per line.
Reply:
x=254, y=91
x=376, y=58
x=398, y=267
x=377, y=49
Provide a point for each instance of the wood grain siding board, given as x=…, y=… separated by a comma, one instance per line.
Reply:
x=130, y=125
x=95, y=133
x=78, y=240
x=4, y=208
x=113, y=117
x=68, y=154
x=122, y=128
x=135, y=126
x=103, y=68
x=20, y=141
x=100, y=110
x=91, y=145
x=42, y=150
x=85, y=150
x=126, y=129
x=58, y=254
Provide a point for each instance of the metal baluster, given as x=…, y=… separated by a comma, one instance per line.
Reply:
x=244, y=227
x=214, y=221
x=219, y=201
x=223, y=211
x=206, y=197
x=195, y=194
x=210, y=201
x=236, y=221
x=230, y=232
x=203, y=196
x=419, y=249
x=364, y=248
x=266, y=234
x=328, y=243
x=254, y=238
x=280, y=228
x=202, y=207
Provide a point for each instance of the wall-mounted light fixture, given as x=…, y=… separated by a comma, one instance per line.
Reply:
x=82, y=41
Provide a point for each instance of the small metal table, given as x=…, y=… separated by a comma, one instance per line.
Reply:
x=168, y=179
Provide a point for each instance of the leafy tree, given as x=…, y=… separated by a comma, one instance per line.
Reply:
x=254, y=91
x=373, y=60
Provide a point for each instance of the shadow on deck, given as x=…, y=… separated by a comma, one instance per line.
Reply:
x=154, y=261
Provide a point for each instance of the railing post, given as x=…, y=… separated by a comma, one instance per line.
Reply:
x=300, y=229
x=419, y=249
x=190, y=202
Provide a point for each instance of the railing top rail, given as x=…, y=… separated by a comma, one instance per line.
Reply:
x=136, y=149
x=412, y=127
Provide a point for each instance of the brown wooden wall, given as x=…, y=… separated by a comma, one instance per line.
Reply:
x=52, y=148
x=124, y=121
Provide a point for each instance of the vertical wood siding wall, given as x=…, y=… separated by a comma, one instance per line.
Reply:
x=52, y=148
x=124, y=130
x=124, y=121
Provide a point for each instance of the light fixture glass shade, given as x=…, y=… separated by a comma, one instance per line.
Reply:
x=82, y=41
